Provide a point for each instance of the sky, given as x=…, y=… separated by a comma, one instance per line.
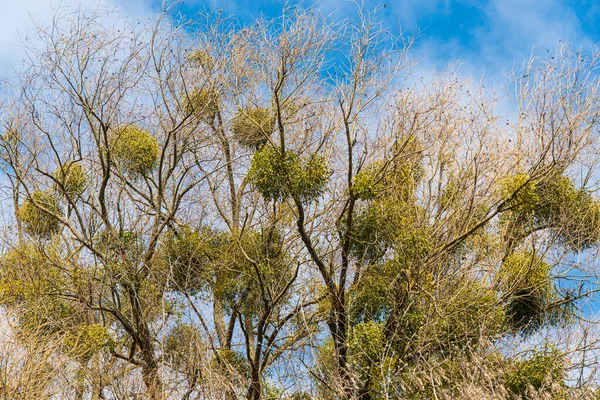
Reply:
x=487, y=37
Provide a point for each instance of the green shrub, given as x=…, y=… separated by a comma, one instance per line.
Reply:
x=389, y=224
x=85, y=340
x=519, y=193
x=29, y=280
x=571, y=214
x=469, y=311
x=119, y=248
x=189, y=255
x=395, y=179
x=367, y=184
x=183, y=346
x=231, y=364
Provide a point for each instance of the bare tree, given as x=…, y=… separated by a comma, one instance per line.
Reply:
x=284, y=210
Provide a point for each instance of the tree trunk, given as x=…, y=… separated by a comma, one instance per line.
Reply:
x=150, y=366
x=152, y=380
x=255, y=389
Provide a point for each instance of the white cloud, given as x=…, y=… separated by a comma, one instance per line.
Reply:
x=17, y=18
x=505, y=33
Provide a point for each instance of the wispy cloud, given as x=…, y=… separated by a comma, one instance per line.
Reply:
x=17, y=18
x=490, y=36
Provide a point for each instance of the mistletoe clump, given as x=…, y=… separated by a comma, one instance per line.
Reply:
x=278, y=175
x=39, y=214
x=526, y=282
x=183, y=347
x=253, y=126
x=189, y=254
x=572, y=215
x=85, y=340
x=71, y=179
x=544, y=369
x=135, y=150
x=202, y=103
x=367, y=184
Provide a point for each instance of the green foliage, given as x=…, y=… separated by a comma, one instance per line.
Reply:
x=278, y=176
x=255, y=259
x=230, y=268
x=527, y=283
x=367, y=184
x=29, y=281
x=389, y=224
x=202, y=103
x=231, y=364
x=253, y=126
x=396, y=178
x=120, y=250
x=440, y=375
x=135, y=150
x=443, y=318
x=543, y=370
x=190, y=256
x=270, y=172
x=367, y=343
x=272, y=392
x=467, y=311
x=39, y=215
x=572, y=214
x=72, y=179
x=85, y=340
x=369, y=298
x=183, y=347
x=19, y=269
x=370, y=359
x=454, y=191
x=519, y=193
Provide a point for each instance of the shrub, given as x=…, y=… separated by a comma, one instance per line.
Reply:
x=182, y=347
x=189, y=255
x=367, y=184
x=571, y=214
x=519, y=193
x=86, y=340
x=118, y=247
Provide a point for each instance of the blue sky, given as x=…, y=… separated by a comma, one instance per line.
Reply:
x=488, y=37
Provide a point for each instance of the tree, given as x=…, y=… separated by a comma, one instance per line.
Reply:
x=281, y=210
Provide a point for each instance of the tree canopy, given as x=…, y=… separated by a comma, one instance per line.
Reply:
x=285, y=210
